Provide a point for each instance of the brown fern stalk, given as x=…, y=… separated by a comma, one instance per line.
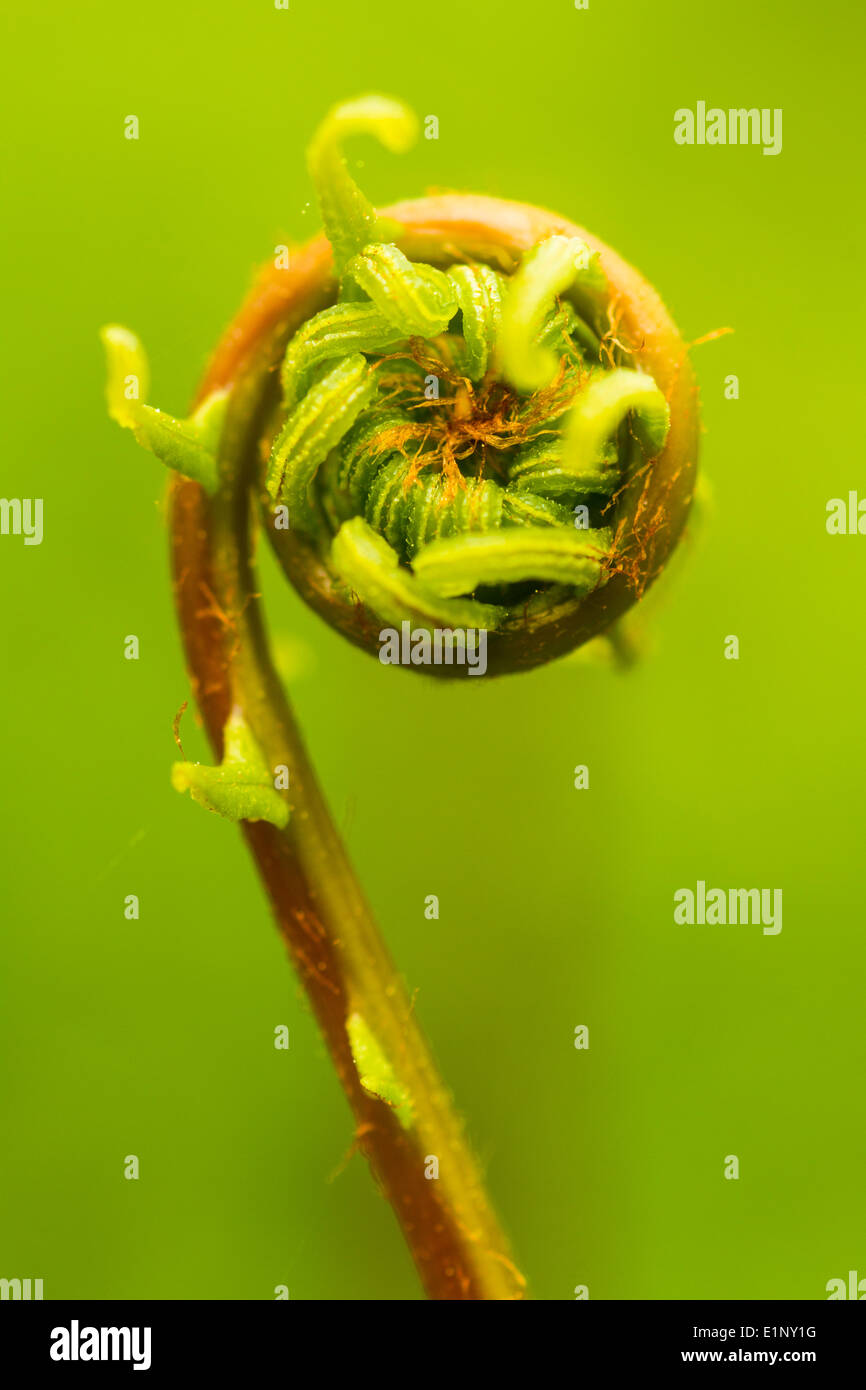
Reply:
x=449, y=1224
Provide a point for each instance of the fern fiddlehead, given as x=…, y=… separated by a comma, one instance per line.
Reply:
x=470, y=414
x=452, y=385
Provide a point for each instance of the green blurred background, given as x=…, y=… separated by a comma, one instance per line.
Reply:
x=155, y=1037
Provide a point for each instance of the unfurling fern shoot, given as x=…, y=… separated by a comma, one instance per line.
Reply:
x=457, y=412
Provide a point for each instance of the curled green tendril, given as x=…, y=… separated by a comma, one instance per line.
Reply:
x=313, y=429
x=531, y=509
x=349, y=220
x=418, y=514
x=372, y=570
x=540, y=469
x=545, y=272
x=242, y=787
x=335, y=332
x=564, y=335
x=362, y=454
x=188, y=446
x=599, y=412
x=479, y=292
x=461, y=564
x=417, y=299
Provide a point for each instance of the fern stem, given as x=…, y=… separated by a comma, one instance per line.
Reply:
x=448, y=1222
